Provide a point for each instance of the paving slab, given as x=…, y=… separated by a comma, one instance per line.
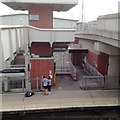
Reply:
x=54, y=105
x=77, y=104
x=89, y=104
x=66, y=105
x=100, y=103
x=111, y=103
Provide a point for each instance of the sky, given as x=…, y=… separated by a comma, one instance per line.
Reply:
x=92, y=9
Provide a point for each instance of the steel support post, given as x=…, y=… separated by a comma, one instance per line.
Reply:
x=27, y=59
x=0, y=84
x=5, y=84
x=23, y=85
x=37, y=85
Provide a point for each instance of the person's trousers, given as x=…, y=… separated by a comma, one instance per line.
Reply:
x=49, y=88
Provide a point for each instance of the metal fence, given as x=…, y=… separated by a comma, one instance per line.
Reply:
x=92, y=70
x=13, y=84
x=73, y=71
x=111, y=82
x=36, y=84
x=67, y=69
x=96, y=80
x=92, y=82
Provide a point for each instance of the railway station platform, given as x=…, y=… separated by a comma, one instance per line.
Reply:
x=66, y=94
x=59, y=99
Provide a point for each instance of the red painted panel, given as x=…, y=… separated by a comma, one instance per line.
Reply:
x=41, y=48
x=102, y=64
x=77, y=58
x=41, y=67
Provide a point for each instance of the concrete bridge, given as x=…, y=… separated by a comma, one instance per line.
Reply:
x=102, y=37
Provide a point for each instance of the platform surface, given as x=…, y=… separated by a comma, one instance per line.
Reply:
x=59, y=100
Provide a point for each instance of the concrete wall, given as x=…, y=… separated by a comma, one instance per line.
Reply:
x=59, y=23
x=113, y=66
x=23, y=19
x=105, y=29
x=89, y=44
x=11, y=41
x=108, y=22
x=18, y=19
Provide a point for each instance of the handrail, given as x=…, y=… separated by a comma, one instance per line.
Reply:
x=92, y=70
x=96, y=76
x=14, y=66
x=67, y=69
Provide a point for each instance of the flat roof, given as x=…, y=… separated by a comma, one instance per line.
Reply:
x=77, y=48
x=57, y=5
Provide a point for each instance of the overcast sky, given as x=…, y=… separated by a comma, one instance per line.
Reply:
x=92, y=9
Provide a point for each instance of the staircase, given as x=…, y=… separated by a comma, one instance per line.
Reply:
x=19, y=59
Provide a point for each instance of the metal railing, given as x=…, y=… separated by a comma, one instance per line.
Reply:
x=92, y=70
x=73, y=71
x=92, y=82
x=112, y=82
x=13, y=84
x=67, y=69
x=96, y=80
x=62, y=69
x=17, y=66
x=36, y=84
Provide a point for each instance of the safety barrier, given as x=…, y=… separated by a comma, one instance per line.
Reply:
x=73, y=71
x=68, y=69
x=92, y=70
x=10, y=84
x=36, y=84
x=112, y=82
x=92, y=82
x=96, y=80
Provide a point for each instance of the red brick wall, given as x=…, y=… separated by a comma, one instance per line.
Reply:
x=91, y=57
x=101, y=61
x=45, y=16
x=41, y=48
x=39, y=68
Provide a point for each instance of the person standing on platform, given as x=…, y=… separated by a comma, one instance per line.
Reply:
x=45, y=85
x=49, y=84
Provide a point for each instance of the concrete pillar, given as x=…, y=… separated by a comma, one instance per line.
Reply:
x=113, y=66
x=0, y=84
x=5, y=84
x=27, y=59
x=113, y=73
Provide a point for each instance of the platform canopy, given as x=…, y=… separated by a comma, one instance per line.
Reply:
x=58, y=5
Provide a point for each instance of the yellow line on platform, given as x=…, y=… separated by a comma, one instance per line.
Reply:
x=65, y=100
